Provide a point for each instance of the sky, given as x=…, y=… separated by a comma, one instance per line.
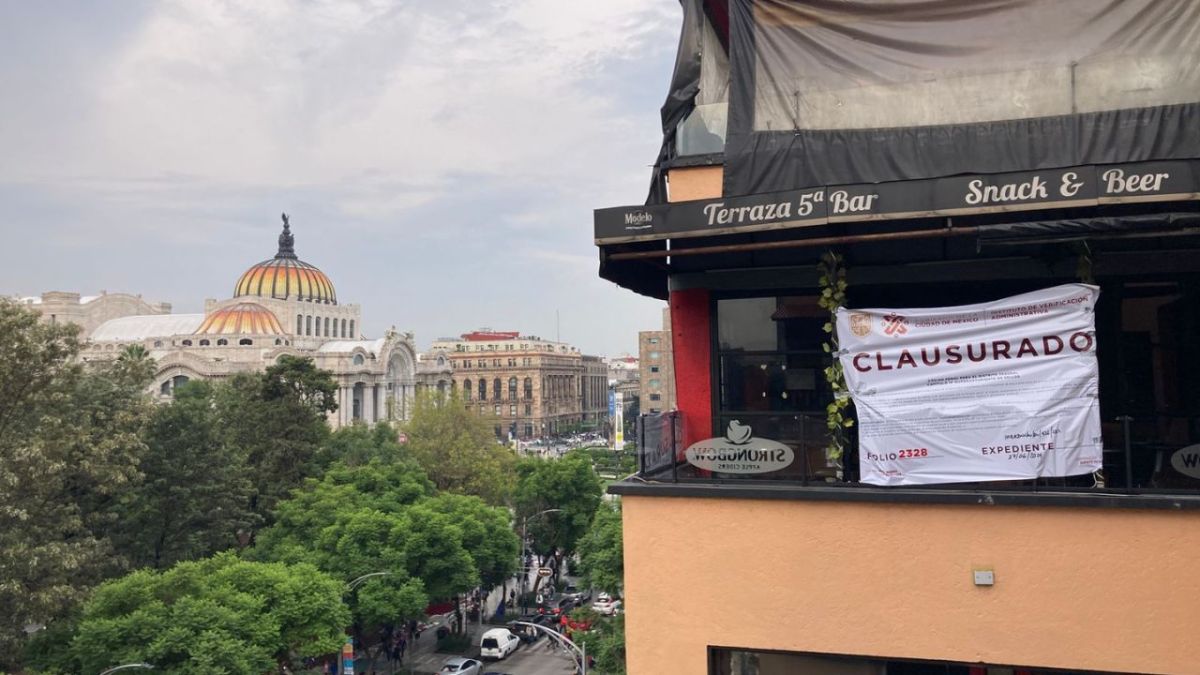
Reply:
x=439, y=159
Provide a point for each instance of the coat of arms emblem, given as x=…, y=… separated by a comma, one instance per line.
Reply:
x=860, y=324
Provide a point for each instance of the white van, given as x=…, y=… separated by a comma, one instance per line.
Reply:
x=498, y=643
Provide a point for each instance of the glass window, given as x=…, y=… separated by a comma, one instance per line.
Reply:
x=327, y=326
x=512, y=388
x=467, y=390
x=344, y=333
x=654, y=369
x=482, y=392
x=496, y=410
x=654, y=384
x=653, y=356
x=512, y=410
x=653, y=340
x=222, y=342
x=497, y=392
x=299, y=324
x=351, y=328
x=308, y=325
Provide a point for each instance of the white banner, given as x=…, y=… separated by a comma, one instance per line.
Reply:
x=1004, y=390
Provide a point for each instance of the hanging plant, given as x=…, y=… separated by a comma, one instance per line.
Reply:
x=833, y=295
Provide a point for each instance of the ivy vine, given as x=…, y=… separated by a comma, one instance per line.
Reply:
x=833, y=295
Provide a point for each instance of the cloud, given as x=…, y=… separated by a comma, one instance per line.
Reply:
x=467, y=124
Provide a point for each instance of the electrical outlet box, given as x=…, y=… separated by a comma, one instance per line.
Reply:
x=985, y=578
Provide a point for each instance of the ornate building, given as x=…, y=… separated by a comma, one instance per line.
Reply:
x=532, y=387
x=280, y=306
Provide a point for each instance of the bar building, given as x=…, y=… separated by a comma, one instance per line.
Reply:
x=946, y=153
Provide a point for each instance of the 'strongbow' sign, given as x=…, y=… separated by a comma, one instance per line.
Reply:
x=954, y=195
x=739, y=452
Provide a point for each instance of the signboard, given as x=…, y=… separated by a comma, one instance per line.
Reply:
x=544, y=572
x=348, y=658
x=612, y=403
x=739, y=451
x=1004, y=390
x=1187, y=461
x=955, y=195
x=619, y=422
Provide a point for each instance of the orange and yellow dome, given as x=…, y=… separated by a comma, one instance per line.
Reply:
x=286, y=277
x=244, y=318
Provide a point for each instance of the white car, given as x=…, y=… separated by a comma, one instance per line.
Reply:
x=498, y=643
x=606, y=605
x=461, y=666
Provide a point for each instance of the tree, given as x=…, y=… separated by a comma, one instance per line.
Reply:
x=358, y=444
x=601, y=550
x=606, y=643
x=458, y=449
x=277, y=420
x=486, y=533
x=69, y=444
x=220, y=615
x=568, y=484
x=194, y=496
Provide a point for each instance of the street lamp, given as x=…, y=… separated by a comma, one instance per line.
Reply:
x=359, y=581
x=126, y=666
x=524, y=522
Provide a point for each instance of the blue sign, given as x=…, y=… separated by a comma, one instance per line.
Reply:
x=612, y=403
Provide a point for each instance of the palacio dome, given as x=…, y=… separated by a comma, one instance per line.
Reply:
x=242, y=318
x=286, y=277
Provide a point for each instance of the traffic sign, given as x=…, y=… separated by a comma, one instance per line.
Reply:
x=544, y=572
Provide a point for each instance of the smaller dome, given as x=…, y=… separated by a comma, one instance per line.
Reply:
x=244, y=318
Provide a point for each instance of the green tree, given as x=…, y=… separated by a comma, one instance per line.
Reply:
x=69, y=444
x=568, y=484
x=358, y=444
x=601, y=550
x=277, y=420
x=194, y=496
x=606, y=643
x=458, y=449
x=215, y=616
x=486, y=533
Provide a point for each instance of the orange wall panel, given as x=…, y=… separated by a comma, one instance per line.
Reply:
x=694, y=182
x=1099, y=589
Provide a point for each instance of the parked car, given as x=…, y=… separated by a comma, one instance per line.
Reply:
x=461, y=666
x=577, y=595
x=498, y=643
x=606, y=605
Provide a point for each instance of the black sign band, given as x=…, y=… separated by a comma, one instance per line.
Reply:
x=955, y=195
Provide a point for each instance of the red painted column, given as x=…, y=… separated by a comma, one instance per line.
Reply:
x=691, y=343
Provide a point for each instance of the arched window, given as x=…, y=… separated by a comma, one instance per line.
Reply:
x=317, y=327
x=203, y=343
x=158, y=343
x=247, y=341
x=497, y=392
x=343, y=328
x=222, y=342
x=482, y=392
x=165, y=389
x=187, y=343
x=326, y=326
x=278, y=341
x=299, y=324
x=308, y=325
x=351, y=336
x=466, y=390
x=529, y=387
x=512, y=388
x=358, y=359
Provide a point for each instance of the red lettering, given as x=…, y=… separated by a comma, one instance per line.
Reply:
x=905, y=358
x=879, y=362
x=1087, y=342
x=982, y=352
x=1026, y=348
x=1000, y=348
x=937, y=356
x=1046, y=342
x=859, y=367
x=953, y=354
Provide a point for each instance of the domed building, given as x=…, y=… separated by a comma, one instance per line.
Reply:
x=280, y=306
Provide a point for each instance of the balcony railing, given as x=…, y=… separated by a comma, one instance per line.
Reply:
x=1131, y=466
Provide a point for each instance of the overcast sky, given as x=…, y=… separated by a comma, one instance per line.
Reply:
x=440, y=159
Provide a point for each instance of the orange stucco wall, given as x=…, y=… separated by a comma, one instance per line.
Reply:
x=694, y=182
x=1099, y=589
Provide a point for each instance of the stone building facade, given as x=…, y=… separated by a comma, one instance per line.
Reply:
x=532, y=387
x=656, y=369
x=280, y=306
